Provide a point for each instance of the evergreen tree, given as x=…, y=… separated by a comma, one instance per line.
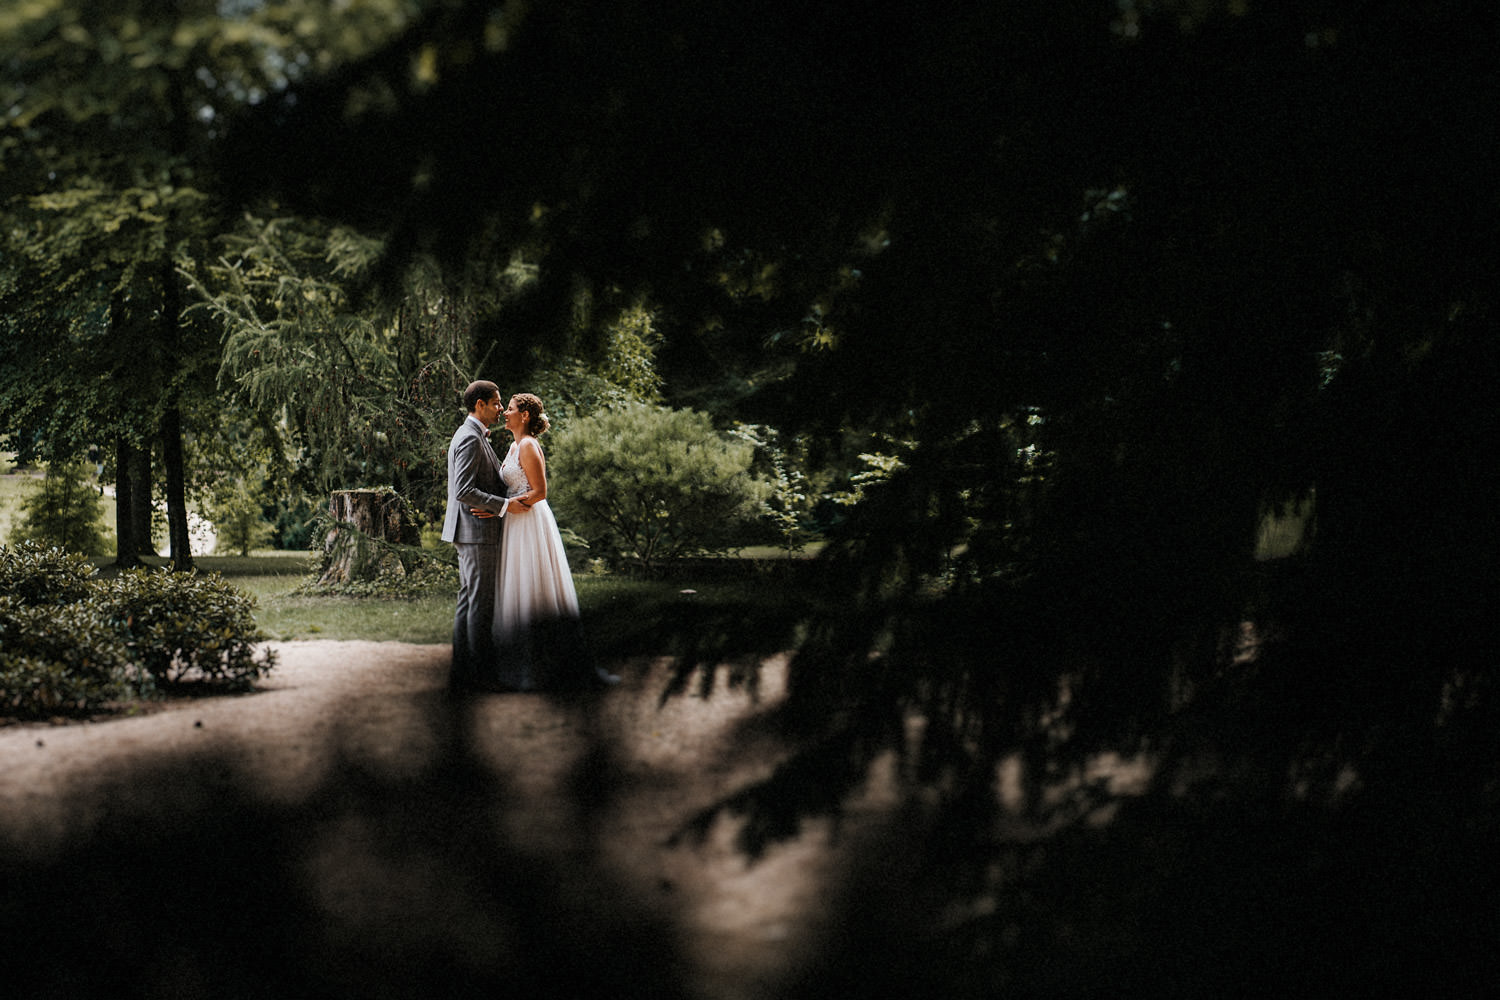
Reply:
x=63, y=510
x=362, y=387
x=107, y=146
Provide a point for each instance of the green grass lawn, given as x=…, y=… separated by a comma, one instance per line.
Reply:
x=623, y=616
x=284, y=615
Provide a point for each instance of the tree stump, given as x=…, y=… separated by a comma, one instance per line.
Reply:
x=362, y=521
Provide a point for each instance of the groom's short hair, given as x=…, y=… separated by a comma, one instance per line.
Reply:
x=478, y=391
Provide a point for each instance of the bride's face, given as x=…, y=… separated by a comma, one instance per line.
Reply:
x=515, y=417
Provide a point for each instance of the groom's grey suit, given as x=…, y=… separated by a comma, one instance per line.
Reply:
x=473, y=481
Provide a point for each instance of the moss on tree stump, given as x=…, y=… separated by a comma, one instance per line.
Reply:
x=366, y=524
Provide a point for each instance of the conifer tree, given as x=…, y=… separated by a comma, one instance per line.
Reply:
x=113, y=113
x=63, y=510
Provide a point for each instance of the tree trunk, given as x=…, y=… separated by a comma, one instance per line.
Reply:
x=177, y=520
x=140, y=489
x=359, y=516
x=127, y=550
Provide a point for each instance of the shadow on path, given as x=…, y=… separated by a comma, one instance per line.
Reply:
x=184, y=879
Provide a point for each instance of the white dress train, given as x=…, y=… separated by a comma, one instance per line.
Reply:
x=536, y=606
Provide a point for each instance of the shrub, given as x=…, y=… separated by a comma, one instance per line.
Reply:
x=239, y=521
x=180, y=626
x=650, y=483
x=788, y=506
x=62, y=659
x=70, y=643
x=37, y=689
x=33, y=574
x=64, y=510
x=293, y=523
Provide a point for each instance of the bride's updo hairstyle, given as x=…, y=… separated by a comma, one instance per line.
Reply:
x=536, y=419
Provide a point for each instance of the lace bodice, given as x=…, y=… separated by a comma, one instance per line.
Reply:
x=512, y=474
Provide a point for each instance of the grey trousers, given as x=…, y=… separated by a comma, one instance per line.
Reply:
x=473, y=644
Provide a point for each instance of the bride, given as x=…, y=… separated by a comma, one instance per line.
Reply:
x=536, y=625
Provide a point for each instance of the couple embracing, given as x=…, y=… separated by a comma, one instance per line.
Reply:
x=516, y=627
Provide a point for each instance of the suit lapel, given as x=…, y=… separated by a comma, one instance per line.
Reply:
x=489, y=451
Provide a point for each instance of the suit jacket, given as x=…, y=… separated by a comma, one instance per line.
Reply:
x=473, y=481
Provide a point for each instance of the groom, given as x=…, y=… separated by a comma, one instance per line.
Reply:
x=474, y=481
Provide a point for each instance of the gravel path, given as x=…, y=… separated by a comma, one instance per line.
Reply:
x=349, y=830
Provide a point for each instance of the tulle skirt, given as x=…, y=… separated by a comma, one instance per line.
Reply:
x=536, y=628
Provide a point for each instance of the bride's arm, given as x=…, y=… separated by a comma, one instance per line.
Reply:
x=535, y=467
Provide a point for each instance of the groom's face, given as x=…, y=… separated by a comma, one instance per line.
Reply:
x=488, y=410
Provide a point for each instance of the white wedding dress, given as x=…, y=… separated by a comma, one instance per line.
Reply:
x=536, y=606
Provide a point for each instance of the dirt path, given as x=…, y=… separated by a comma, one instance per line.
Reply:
x=350, y=827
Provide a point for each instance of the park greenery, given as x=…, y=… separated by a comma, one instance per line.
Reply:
x=63, y=509
x=1033, y=314
x=239, y=519
x=650, y=484
x=75, y=644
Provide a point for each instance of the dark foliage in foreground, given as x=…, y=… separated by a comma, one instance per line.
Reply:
x=1230, y=256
